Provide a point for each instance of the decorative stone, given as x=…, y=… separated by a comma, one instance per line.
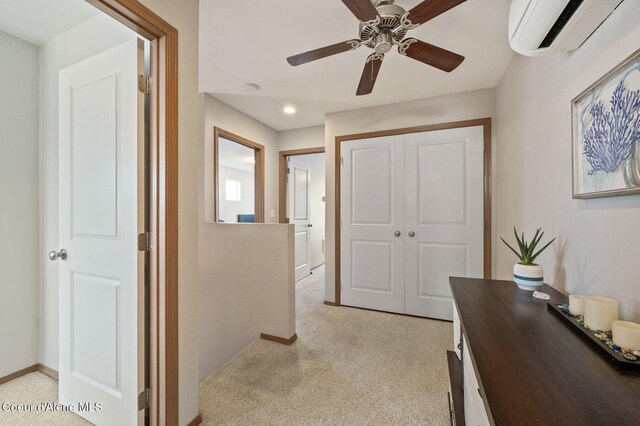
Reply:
x=609, y=343
x=615, y=347
x=630, y=357
x=625, y=350
x=601, y=336
x=636, y=353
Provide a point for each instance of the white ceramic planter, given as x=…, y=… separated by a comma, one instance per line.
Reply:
x=528, y=277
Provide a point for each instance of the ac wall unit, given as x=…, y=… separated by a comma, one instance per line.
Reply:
x=541, y=27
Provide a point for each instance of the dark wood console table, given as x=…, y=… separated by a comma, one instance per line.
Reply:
x=531, y=368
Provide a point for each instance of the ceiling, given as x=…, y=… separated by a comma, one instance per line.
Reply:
x=38, y=21
x=248, y=41
x=232, y=154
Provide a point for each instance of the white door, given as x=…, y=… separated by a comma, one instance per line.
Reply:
x=99, y=222
x=300, y=215
x=372, y=223
x=444, y=216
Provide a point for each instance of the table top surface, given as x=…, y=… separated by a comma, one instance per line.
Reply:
x=532, y=368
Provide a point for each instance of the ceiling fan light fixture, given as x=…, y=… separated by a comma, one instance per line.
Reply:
x=289, y=110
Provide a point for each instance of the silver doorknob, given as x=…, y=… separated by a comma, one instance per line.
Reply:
x=62, y=254
x=412, y=234
x=397, y=233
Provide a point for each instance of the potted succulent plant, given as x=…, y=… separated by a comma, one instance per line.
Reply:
x=526, y=274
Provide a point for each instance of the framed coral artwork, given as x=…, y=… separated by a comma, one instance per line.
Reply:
x=606, y=134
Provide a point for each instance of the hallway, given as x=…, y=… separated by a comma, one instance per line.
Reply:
x=348, y=366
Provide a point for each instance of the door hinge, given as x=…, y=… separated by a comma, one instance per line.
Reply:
x=144, y=399
x=341, y=160
x=288, y=170
x=144, y=84
x=145, y=241
x=286, y=220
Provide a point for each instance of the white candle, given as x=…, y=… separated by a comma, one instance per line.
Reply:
x=600, y=312
x=576, y=304
x=626, y=334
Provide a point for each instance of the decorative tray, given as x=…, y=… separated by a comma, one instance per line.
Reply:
x=602, y=345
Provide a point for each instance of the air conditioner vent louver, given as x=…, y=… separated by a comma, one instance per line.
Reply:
x=560, y=23
x=542, y=27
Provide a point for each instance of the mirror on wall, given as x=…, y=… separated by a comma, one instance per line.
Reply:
x=239, y=179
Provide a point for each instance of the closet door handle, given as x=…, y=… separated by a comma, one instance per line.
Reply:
x=412, y=234
x=397, y=233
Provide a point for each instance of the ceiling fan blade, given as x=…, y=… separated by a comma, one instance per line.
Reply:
x=370, y=74
x=429, y=9
x=364, y=10
x=323, y=52
x=430, y=54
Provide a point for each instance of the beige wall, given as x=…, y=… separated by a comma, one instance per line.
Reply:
x=246, y=288
x=218, y=114
x=19, y=211
x=306, y=137
x=598, y=250
x=442, y=109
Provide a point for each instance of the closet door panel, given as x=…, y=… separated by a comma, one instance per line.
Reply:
x=444, y=213
x=372, y=204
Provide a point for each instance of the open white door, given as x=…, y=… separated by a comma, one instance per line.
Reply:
x=99, y=199
x=299, y=211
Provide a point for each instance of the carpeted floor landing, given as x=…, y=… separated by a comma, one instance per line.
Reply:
x=348, y=367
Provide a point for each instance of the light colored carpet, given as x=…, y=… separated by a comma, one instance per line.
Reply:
x=348, y=367
x=32, y=389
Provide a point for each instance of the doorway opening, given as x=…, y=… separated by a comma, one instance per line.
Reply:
x=92, y=186
x=302, y=203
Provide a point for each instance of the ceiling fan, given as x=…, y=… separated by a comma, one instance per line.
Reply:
x=382, y=26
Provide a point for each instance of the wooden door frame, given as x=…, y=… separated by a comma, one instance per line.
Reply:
x=484, y=122
x=259, y=171
x=282, y=176
x=163, y=198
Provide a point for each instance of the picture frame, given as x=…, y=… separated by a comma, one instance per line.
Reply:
x=606, y=134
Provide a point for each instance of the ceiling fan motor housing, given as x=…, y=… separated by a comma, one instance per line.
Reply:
x=390, y=15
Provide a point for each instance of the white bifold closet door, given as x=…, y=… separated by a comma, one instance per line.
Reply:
x=411, y=216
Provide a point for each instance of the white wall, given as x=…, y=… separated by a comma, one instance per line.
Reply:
x=228, y=211
x=598, y=249
x=246, y=288
x=19, y=211
x=442, y=109
x=218, y=114
x=60, y=52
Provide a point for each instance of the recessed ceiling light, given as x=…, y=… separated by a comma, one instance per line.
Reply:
x=289, y=110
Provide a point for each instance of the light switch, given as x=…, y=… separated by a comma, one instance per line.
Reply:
x=273, y=213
